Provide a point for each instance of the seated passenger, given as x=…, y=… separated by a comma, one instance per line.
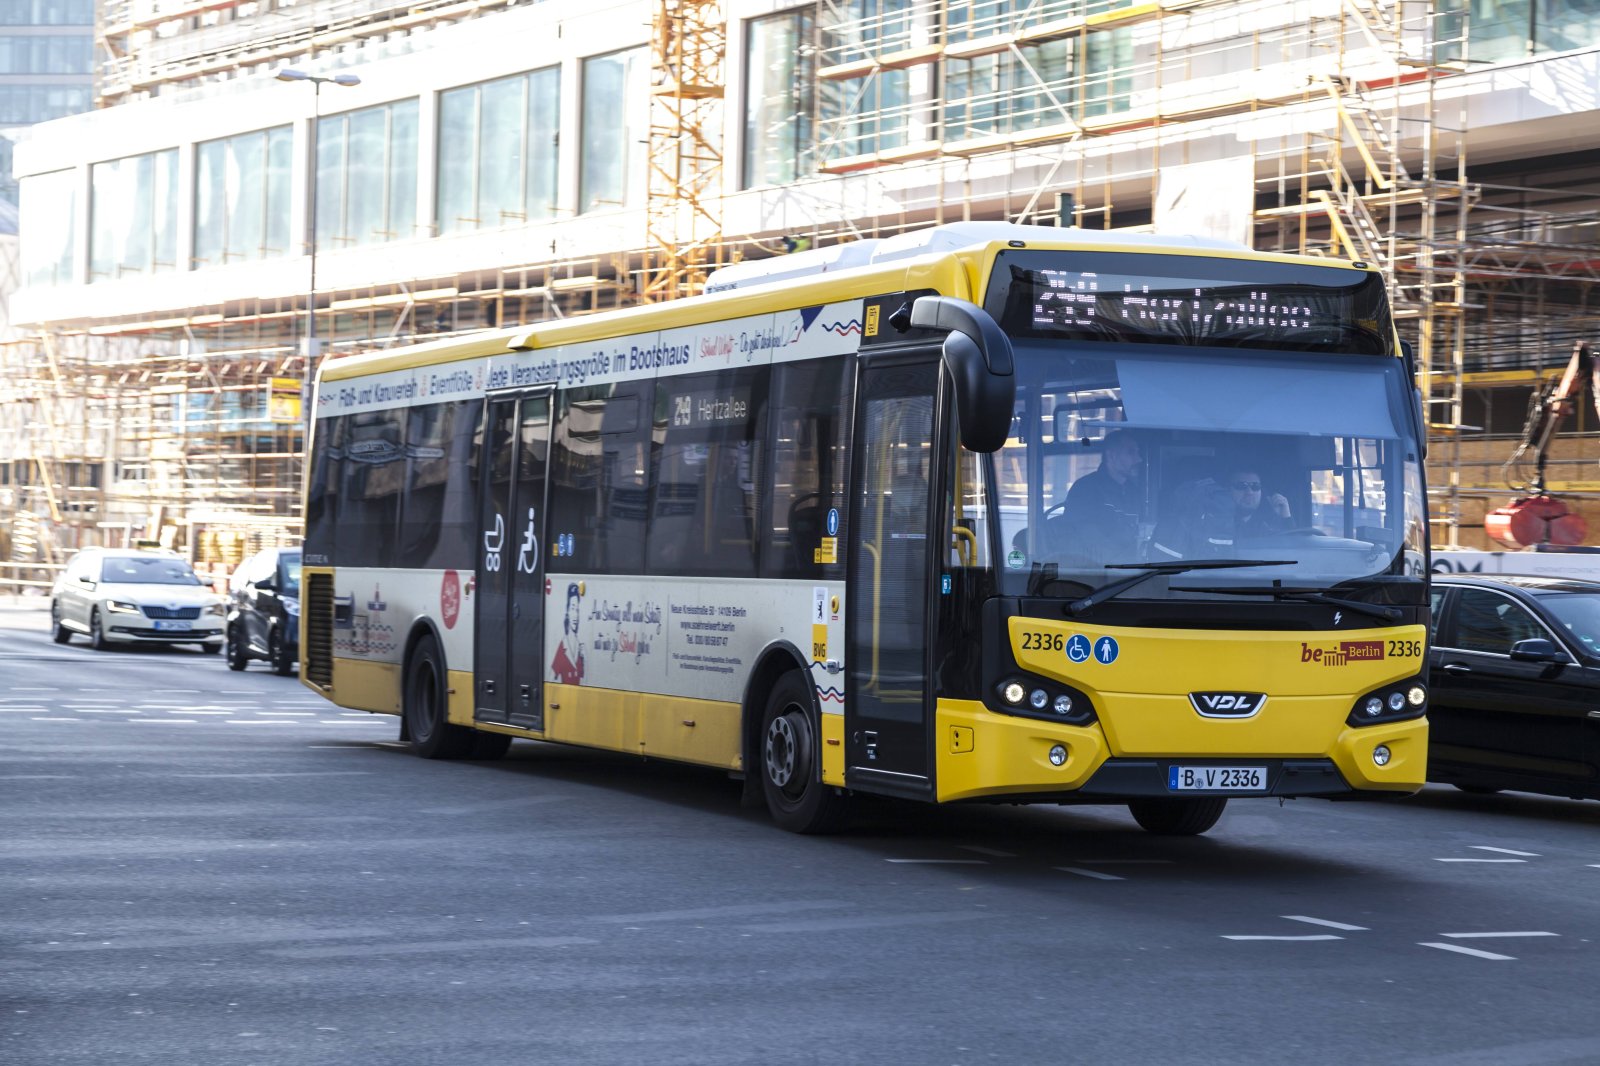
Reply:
x=1210, y=518
x=1100, y=516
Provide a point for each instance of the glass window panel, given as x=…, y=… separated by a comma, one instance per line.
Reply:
x=402, y=201
x=210, y=202
x=369, y=135
x=778, y=100
x=458, y=149
x=329, y=212
x=164, y=210
x=1489, y=622
x=614, y=119
x=279, y=169
x=1564, y=24
x=246, y=195
x=544, y=123
x=501, y=148
x=49, y=227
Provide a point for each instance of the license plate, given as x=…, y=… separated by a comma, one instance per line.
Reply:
x=181, y=627
x=1217, y=779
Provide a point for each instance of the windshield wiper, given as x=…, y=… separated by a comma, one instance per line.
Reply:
x=1116, y=588
x=1277, y=592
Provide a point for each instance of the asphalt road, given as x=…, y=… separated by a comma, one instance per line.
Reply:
x=209, y=868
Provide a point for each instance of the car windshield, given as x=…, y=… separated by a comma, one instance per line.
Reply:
x=289, y=574
x=1125, y=454
x=1578, y=613
x=146, y=570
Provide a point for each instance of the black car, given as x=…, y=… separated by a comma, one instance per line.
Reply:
x=264, y=611
x=1514, y=670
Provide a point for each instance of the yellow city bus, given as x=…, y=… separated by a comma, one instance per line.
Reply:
x=981, y=513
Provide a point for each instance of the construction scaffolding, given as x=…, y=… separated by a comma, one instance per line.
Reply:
x=1334, y=128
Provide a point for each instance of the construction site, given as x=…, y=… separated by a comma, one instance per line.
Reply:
x=168, y=407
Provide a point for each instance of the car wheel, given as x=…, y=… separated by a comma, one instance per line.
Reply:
x=97, y=636
x=1176, y=817
x=211, y=649
x=238, y=657
x=283, y=663
x=61, y=634
x=789, y=751
x=426, y=706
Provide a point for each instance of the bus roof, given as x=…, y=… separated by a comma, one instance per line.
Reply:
x=948, y=259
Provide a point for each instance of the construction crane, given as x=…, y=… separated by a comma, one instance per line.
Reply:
x=1537, y=517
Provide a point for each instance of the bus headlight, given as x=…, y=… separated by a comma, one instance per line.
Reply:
x=1380, y=755
x=1396, y=702
x=1038, y=698
x=1416, y=695
x=1013, y=692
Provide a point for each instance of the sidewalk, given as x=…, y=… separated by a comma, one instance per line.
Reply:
x=24, y=612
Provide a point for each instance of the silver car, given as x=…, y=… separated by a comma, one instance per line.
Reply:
x=120, y=596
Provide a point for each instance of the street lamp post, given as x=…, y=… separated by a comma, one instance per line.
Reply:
x=317, y=82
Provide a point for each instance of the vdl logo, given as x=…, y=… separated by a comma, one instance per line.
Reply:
x=1228, y=704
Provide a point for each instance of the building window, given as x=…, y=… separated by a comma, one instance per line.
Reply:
x=133, y=226
x=1006, y=92
x=241, y=197
x=497, y=151
x=1560, y=25
x=780, y=70
x=50, y=53
x=854, y=30
x=50, y=234
x=615, y=124
x=862, y=116
x=367, y=176
x=47, y=13
x=1108, y=71
x=22, y=105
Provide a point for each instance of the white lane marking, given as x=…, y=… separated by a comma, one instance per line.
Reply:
x=38, y=777
x=941, y=862
x=26, y=688
x=288, y=714
x=996, y=852
x=238, y=692
x=1323, y=921
x=361, y=745
x=174, y=691
x=353, y=951
x=346, y=721
x=79, y=720
x=356, y=714
x=292, y=773
x=1487, y=936
x=22, y=710
x=102, y=710
x=1313, y=936
x=182, y=711
x=1504, y=851
x=164, y=721
x=1098, y=875
x=1468, y=951
x=251, y=721
x=1479, y=860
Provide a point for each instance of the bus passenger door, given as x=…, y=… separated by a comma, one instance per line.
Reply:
x=887, y=705
x=509, y=633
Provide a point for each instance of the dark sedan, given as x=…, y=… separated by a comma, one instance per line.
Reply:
x=1515, y=680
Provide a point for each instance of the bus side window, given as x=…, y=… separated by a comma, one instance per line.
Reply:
x=369, y=496
x=322, y=496
x=809, y=432
x=602, y=448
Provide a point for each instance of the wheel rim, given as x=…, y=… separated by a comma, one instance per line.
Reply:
x=787, y=752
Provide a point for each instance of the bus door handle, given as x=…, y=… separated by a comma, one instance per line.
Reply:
x=1456, y=669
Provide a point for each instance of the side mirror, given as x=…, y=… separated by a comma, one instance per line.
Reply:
x=1537, y=650
x=978, y=354
x=87, y=582
x=269, y=585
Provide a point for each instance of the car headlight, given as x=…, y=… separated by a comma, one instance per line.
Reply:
x=122, y=607
x=217, y=609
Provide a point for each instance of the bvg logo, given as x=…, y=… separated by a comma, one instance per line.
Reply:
x=1347, y=651
x=1228, y=704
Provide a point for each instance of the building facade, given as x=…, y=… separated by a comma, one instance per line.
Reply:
x=505, y=162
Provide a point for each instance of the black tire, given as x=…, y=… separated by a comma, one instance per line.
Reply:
x=487, y=747
x=238, y=654
x=283, y=663
x=788, y=753
x=1177, y=817
x=97, y=636
x=61, y=634
x=426, y=706
x=211, y=649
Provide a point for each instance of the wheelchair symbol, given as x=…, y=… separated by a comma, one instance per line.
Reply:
x=528, y=555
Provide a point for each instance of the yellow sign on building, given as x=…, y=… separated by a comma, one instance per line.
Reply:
x=283, y=400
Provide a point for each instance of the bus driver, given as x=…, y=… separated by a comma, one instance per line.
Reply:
x=1100, y=516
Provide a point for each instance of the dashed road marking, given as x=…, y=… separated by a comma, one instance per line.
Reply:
x=1460, y=949
x=288, y=714
x=1313, y=936
x=1098, y=875
x=79, y=720
x=1490, y=936
x=165, y=721
x=1323, y=921
x=1480, y=860
x=1505, y=851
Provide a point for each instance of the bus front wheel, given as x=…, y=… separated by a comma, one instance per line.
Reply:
x=426, y=706
x=791, y=768
x=1176, y=817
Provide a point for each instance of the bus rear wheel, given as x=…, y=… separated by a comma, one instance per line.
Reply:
x=426, y=706
x=1176, y=817
x=789, y=751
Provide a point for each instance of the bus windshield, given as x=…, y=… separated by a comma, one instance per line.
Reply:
x=1134, y=454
